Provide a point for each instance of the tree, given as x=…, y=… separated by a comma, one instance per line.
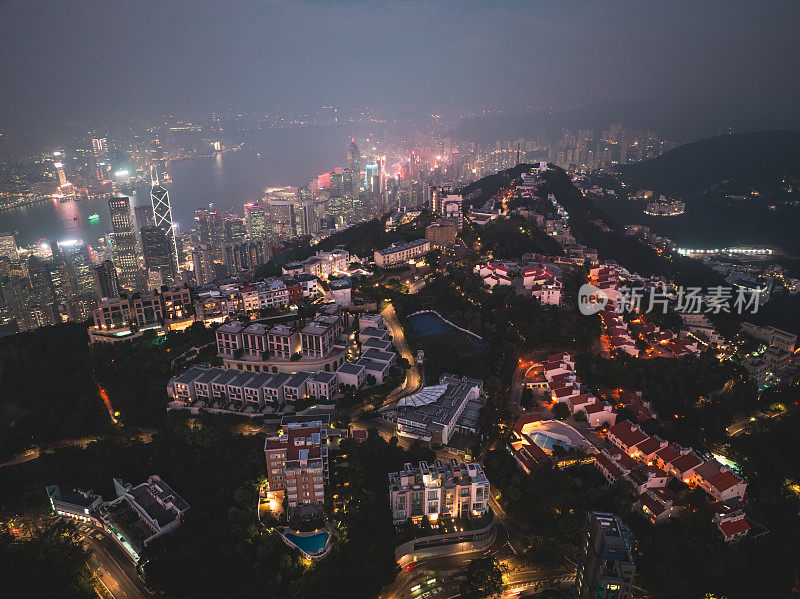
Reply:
x=370, y=380
x=484, y=579
x=561, y=411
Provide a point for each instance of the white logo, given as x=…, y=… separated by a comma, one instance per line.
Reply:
x=591, y=299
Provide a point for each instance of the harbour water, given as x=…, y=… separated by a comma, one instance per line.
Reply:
x=272, y=158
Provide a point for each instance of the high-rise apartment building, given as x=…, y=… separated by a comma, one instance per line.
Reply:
x=123, y=241
x=297, y=463
x=210, y=231
x=203, y=262
x=245, y=255
x=607, y=561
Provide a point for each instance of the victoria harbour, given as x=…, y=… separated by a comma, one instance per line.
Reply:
x=272, y=158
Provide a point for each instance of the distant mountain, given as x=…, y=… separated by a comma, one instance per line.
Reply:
x=743, y=159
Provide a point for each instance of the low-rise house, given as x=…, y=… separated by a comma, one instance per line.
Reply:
x=322, y=385
x=733, y=526
x=351, y=375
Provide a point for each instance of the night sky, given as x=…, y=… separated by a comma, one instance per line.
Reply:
x=68, y=60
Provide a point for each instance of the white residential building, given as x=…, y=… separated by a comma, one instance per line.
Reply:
x=442, y=488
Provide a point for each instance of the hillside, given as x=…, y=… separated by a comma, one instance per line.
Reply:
x=745, y=160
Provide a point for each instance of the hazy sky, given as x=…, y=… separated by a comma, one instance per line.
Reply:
x=62, y=60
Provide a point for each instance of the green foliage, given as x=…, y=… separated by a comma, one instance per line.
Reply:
x=561, y=411
x=769, y=156
x=50, y=384
x=509, y=324
x=484, y=579
x=49, y=564
x=694, y=388
x=512, y=237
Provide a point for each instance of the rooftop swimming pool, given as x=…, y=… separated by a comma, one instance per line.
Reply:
x=309, y=544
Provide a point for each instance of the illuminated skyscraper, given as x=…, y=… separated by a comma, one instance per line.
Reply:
x=101, y=161
x=144, y=216
x=353, y=157
x=286, y=217
x=162, y=218
x=256, y=221
x=123, y=241
x=157, y=253
x=235, y=229
x=8, y=246
x=106, y=282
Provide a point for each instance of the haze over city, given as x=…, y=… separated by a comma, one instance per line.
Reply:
x=676, y=62
x=399, y=300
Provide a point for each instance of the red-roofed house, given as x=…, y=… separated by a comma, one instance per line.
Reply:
x=598, y=414
x=732, y=526
x=647, y=448
x=608, y=467
x=724, y=486
x=682, y=467
x=666, y=454
x=626, y=435
x=655, y=508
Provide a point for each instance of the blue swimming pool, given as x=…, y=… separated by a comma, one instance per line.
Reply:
x=547, y=442
x=311, y=544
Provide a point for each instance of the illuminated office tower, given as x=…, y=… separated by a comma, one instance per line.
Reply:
x=144, y=216
x=284, y=213
x=123, y=241
x=157, y=253
x=370, y=172
x=235, y=229
x=210, y=231
x=106, y=282
x=256, y=221
x=162, y=218
x=81, y=266
x=101, y=161
x=62, y=175
x=8, y=246
x=353, y=157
